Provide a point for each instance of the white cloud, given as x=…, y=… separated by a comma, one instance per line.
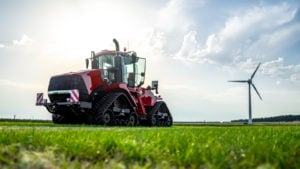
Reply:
x=191, y=49
x=276, y=68
x=246, y=30
x=174, y=16
x=25, y=40
x=151, y=42
x=248, y=37
x=295, y=77
x=257, y=20
x=155, y=39
x=271, y=43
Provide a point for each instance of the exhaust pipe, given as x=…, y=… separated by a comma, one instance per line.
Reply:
x=116, y=44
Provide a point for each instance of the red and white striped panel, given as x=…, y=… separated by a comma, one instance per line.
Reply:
x=39, y=98
x=74, y=96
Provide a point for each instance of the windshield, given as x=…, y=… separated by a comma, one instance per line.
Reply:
x=134, y=72
x=105, y=62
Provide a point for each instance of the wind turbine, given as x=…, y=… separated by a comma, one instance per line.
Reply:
x=249, y=81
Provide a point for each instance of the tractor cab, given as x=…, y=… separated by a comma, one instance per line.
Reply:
x=133, y=70
x=120, y=67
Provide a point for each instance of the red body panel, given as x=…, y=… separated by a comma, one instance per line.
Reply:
x=96, y=79
x=148, y=97
x=92, y=78
x=143, y=97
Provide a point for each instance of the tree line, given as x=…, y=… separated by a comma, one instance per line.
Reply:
x=283, y=118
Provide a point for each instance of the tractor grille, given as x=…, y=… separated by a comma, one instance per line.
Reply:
x=59, y=97
x=67, y=83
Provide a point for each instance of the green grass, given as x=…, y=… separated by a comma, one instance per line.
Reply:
x=45, y=145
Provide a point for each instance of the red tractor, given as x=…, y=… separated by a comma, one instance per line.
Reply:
x=110, y=93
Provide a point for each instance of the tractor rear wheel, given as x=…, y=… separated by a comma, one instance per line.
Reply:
x=101, y=112
x=109, y=110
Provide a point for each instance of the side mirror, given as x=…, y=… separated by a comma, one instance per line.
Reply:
x=87, y=63
x=155, y=86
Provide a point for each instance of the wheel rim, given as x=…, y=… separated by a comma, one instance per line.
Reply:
x=132, y=120
x=107, y=118
x=168, y=121
x=153, y=120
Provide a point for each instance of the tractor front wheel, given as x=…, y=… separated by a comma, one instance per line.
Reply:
x=160, y=115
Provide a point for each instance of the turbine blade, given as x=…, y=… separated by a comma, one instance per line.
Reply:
x=255, y=71
x=239, y=81
x=256, y=91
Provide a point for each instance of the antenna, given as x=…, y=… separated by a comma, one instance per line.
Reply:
x=250, y=83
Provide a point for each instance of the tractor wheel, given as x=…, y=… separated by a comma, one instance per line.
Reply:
x=133, y=121
x=103, y=113
x=108, y=117
x=153, y=120
x=169, y=121
x=155, y=117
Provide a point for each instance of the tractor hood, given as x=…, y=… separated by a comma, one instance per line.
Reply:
x=85, y=81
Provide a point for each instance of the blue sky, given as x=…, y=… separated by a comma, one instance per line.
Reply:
x=192, y=47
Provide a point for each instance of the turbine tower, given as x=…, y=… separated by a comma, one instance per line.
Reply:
x=249, y=81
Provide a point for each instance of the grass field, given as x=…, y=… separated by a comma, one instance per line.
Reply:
x=45, y=145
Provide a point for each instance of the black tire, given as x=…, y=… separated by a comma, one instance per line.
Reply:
x=132, y=121
x=108, y=118
x=153, y=118
x=102, y=106
x=103, y=109
x=169, y=121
